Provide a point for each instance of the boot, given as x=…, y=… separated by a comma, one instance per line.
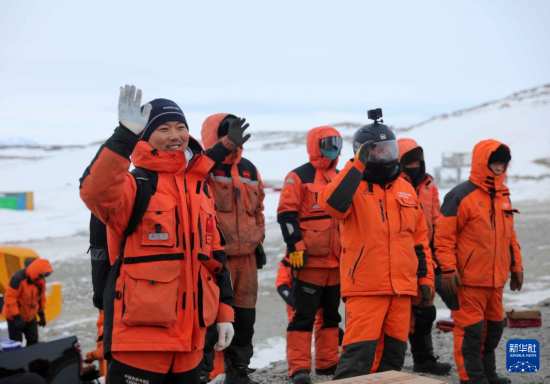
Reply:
x=238, y=375
x=301, y=377
x=498, y=379
x=330, y=371
x=431, y=365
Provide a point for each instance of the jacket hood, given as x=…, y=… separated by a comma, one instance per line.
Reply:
x=480, y=174
x=147, y=157
x=406, y=145
x=316, y=158
x=38, y=267
x=209, y=134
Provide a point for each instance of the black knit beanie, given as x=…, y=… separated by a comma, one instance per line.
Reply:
x=501, y=155
x=163, y=111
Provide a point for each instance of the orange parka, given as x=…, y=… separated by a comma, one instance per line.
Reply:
x=426, y=190
x=239, y=195
x=385, y=249
x=475, y=235
x=26, y=292
x=171, y=282
x=304, y=223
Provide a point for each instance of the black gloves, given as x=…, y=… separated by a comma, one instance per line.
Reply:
x=426, y=296
x=516, y=281
x=286, y=294
x=363, y=152
x=261, y=258
x=42, y=321
x=236, y=132
x=18, y=322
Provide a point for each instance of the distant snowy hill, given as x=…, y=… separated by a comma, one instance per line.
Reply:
x=16, y=142
x=521, y=120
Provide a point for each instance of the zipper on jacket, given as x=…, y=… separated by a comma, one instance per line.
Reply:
x=177, y=228
x=493, y=227
x=492, y=213
x=352, y=271
x=200, y=231
x=467, y=261
x=382, y=210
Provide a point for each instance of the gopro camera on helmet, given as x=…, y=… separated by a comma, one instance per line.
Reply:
x=375, y=114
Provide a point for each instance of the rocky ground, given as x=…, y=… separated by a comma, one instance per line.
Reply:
x=72, y=269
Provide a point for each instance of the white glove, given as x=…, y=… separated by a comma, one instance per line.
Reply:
x=226, y=333
x=129, y=109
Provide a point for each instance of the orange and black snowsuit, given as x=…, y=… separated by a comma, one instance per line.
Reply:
x=385, y=256
x=175, y=255
x=426, y=190
x=422, y=319
x=475, y=238
x=283, y=283
x=26, y=296
x=306, y=226
x=239, y=194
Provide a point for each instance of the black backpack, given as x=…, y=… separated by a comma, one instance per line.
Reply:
x=146, y=182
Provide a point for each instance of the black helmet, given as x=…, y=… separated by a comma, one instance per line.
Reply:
x=383, y=160
x=383, y=137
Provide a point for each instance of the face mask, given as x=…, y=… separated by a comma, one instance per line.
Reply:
x=386, y=169
x=413, y=173
x=330, y=153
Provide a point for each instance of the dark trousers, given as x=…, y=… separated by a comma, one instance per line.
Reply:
x=118, y=372
x=30, y=330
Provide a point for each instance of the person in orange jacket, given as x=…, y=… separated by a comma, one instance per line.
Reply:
x=239, y=194
x=97, y=354
x=477, y=249
x=25, y=298
x=386, y=258
x=168, y=281
x=411, y=158
x=313, y=248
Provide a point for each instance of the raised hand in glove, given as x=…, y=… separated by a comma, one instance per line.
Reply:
x=261, y=258
x=363, y=152
x=297, y=259
x=516, y=281
x=426, y=291
x=286, y=294
x=19, y=322
x=226, y=333
x=130, y=114
x=42, y=321
x=236, y=132
x=450, y=282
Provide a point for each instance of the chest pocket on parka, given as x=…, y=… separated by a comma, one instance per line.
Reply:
x=408, y=211
x=223, y=194
x=158, y=226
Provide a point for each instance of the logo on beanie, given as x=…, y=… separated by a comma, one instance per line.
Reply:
x=170, y=107
x=383, y=137
x=522, y=355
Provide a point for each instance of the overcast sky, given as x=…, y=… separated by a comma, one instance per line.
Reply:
x=282, y=63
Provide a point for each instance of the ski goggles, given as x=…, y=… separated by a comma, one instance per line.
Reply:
x=331, y=143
